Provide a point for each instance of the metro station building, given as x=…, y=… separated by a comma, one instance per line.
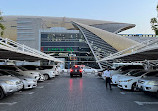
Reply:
x=75, y=41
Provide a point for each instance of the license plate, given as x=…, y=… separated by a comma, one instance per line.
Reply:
x=75, y=70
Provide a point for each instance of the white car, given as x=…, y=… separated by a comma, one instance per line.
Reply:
x=89, y=70
x=121, y=69
x=48, y=74
x=115, y=65
x=57, y=71
x=22, y=71
x=116, y=77
x=149, y=82
x=64, y=71
x=29, y=83
x=9, y=84
x=51, y=68
x=129, y=81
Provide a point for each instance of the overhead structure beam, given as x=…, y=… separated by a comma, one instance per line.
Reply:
x=14, y=51
x=147, y=50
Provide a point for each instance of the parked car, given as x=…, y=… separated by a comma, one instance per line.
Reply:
x=29, y=83
x=149, y=82
x=76, y=70
x=87, y=69
x=51, y=68
x=23, y=71
x=121, y=69
x=116, y=77
x=129, y=81
x=116, y=65
x=9, y=84
x=100, y=73
x=48, y=74
x=64, y=70
x=59, y=69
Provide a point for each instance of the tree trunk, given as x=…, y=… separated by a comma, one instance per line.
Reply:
x=156, y=32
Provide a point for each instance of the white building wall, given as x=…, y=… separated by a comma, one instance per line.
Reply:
x=28, y=32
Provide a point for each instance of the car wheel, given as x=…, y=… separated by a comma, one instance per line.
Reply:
x=46, y=76
x=1, y=93
x=134, y=87
x=71, y=75
x=81, y=75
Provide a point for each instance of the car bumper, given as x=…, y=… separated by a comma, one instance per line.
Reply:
x=51, y=75
x=124, y=85
x=57, y=73
x=75, y=73
x=30, y=85
x=114, y=81
x=12, y=88
x=150, y=88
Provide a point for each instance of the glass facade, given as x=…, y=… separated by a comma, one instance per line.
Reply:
x=69, y=45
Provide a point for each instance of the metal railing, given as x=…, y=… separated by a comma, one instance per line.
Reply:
x=21, y=48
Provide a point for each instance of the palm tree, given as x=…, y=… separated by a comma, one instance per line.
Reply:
x=154, y=25
x=157, y=9
x=2, y=27
x=154, y=22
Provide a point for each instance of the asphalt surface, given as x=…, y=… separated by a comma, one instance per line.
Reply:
x=78, y=94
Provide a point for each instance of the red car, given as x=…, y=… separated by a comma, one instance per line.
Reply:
x=76, y=70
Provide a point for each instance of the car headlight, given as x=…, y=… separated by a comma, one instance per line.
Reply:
x=10, y=82
x=152, y=83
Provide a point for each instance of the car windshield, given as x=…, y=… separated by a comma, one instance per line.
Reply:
x=137, y=74
x=30, y=67
x=5, y=73
x=124, y=68
x=134, y=71
x=40, y=68
x=8, y=68
x=87, y=67
x=125, y=72
x=76, y=67
x=14, y=73
x=154, y=73
x=47, y=67
x=22, y=68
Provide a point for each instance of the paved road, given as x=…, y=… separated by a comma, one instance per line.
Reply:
x=78, y=94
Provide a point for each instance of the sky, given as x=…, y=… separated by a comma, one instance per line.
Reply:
x=138, y=12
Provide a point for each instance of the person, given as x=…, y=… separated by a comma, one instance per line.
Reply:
x=108, y=76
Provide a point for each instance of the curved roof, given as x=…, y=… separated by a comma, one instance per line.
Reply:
x=114, y=40
x=114, y=27
x=11, y=24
